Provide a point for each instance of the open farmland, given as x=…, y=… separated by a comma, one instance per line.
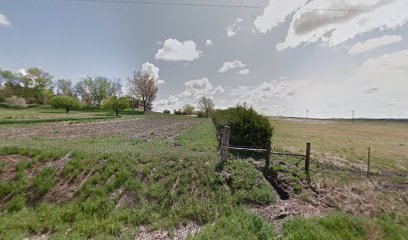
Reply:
x=343, y=143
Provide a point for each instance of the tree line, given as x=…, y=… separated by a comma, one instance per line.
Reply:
x=36, y=86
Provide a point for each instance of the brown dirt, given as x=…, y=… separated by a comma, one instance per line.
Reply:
x=146, y=129
x=11, y=162
x=181, y=232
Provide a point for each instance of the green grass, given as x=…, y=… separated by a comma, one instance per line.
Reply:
x=248, y=184
x=169, y=185
x=239, y=224
x=340, y=226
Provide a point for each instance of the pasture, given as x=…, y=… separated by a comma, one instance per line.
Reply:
x=341, y=142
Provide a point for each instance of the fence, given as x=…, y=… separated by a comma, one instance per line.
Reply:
x=225, y=147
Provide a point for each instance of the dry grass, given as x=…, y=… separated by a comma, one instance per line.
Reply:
x=388, y=140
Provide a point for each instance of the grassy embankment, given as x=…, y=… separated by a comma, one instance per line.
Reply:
x=122, y=183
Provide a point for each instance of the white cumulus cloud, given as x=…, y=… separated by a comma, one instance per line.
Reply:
x=193, y=91
x=233, y=28
x=244, y=71
x=231, y=65
x=4, y=21
x=331, y=22
x=151, y=69
x=374, y=43
x=276, y=13
x=209, y=42
x=174, y=50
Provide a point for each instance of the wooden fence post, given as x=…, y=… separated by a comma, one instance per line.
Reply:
x=307, y=162
x=368, y=162
x=268, y=156
x=225, y=143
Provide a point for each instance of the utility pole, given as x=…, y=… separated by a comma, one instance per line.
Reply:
x=352, y=117
x=307, y=113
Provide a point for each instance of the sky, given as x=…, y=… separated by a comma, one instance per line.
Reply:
x=283, y=57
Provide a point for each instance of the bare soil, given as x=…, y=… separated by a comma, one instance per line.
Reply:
x=181, y=232
x=146, y=129
x=10, y=162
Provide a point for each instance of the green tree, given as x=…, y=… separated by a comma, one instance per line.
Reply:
x=83, y=90
x=39, y=82
x=116, y=104
x=94, y=90
x=66, y=102
x=206, y=105
x=188, y=109
x=64, y=87
x=143, y=87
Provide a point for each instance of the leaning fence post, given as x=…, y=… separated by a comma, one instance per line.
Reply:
x=307, y=162
x=268, y=156
x=368, y=162
x=225, y=143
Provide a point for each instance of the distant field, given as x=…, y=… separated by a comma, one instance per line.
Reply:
x=340, y=138
x=12, y=114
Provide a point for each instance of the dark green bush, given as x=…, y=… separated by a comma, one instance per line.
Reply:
x=248, y=128
x=66, y=102
x=178, y=112
x=201, y=114
x=166, y=111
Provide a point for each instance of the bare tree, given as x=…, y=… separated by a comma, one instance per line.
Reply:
x=206, y=105
x=143, y=87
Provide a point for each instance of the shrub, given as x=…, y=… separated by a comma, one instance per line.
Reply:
x=248, y=128
x=201, y=114
x=16, y=102
x=166, y=111
x=178, y=112
x=188, y=109
x=66, y=102
x=116, y=104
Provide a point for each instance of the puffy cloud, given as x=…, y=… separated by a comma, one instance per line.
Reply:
x=4, y=21
x=193, y=91
x=234, y=28
x=209, y=42
x=151, y=69
x=244, y=71
x=174, y=50
x=374, y=43
x=231, y=65
x=160, y=81
x=332, y=22
x=276, y=13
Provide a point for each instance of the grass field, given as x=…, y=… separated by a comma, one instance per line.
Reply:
x=153, y=176
x=388, y=140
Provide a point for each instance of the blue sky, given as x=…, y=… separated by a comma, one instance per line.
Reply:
x=285, y=57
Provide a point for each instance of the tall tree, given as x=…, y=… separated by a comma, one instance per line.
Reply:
x=143, y=86
x=83, y=90
x=206, y=105
x=64, y=87
x=41, y=83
